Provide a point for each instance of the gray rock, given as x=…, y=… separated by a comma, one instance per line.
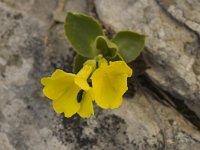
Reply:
x=138, y=124
x=172, y=50
x=4, y=142
x=186, y=12
x=27, y=120
x=35, y=8
x=67, y=6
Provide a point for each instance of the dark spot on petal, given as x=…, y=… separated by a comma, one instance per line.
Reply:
x=90, y=84
x=79, y=96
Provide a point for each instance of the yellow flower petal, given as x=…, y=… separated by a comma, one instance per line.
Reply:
x=110, y=83
x=102, y=61
x=81, y=77
x=121, y=67
x=45, y=80
x=63, y=88
x=68, y=103
x=57, y=84
x=86, y=108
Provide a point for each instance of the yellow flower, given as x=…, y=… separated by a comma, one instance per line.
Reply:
x=71, y=93
x=109, y=83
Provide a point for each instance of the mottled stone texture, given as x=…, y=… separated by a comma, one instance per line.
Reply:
x=172, y=49
x=32, y=45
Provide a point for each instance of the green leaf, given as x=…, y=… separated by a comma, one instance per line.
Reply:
x=81, y=31
x=130, y=44
x=78, y=63
x=116, y=58
x=107, y=48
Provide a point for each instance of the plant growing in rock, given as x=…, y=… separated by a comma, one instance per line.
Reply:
x=100, y=68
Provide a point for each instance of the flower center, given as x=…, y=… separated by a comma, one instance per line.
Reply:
x=79, y=96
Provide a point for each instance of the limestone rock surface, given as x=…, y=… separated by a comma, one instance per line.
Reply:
x=172, y=48
x=32, y=46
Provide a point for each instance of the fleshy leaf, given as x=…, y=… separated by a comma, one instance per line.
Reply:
x=81, y=31
x=130, y=44
x=117, y=58
x=107, y=48
x=78, y=63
